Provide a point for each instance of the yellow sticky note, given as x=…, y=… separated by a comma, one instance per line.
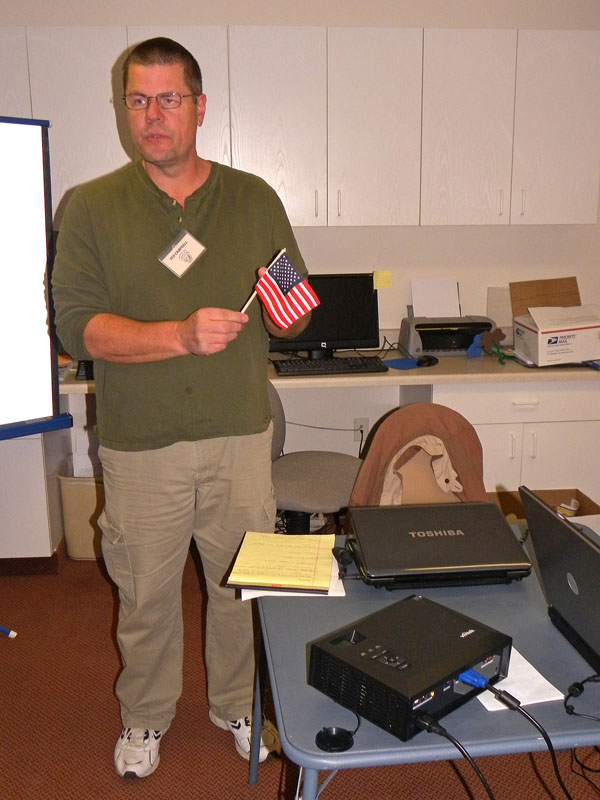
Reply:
x=382, y=279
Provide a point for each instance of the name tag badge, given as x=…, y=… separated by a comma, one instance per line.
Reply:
x=181, y=253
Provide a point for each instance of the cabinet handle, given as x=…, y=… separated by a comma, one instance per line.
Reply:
x=522, y=202
x=525, y=402
x=316, y=202
x=533, y=453
x=500, y=202
x=513, y=445
x=339, y=199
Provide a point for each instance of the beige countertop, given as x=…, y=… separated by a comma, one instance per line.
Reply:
x=449, y=370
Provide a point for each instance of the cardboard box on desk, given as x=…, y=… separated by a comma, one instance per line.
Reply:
x=557, y=335
x=551, y=326
x=510, y=502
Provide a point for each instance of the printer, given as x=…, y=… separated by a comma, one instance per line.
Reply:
x=441, y=336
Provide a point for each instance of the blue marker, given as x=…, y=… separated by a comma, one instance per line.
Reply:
x=8, y=632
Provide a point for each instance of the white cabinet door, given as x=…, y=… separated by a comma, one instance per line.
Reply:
x=23, y=511
x=468, y=102
x=502, y=450
x=208, y=44
x=556, y=169
x=544, y=434
x=76, y=85
x=374, y=125
x=279, y=114
x=560, y=455
x=545, y=455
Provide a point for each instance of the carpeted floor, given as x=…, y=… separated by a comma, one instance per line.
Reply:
x=59, y=718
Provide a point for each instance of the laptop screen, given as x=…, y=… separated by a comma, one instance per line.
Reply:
x=568, y=566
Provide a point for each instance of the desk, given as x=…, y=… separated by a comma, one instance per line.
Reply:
x=517, y=609
x=449, y=370
x=523, y=417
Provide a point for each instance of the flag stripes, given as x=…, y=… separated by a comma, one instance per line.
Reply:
x=284, y=292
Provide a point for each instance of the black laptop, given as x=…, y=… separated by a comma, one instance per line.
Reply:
x=568, y=567
x=440, y=544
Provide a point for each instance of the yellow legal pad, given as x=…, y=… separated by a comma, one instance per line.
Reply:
x=280, y=561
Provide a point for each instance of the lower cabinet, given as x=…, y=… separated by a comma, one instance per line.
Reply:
x=30, y=511
x=543, y=435
x=545, y=455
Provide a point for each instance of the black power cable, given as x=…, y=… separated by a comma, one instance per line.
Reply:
x=427, y=723
x=473, y=678
x=583, y=769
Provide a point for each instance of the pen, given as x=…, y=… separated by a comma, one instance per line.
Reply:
x=8, y=632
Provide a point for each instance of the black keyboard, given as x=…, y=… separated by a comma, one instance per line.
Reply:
x=329, y=366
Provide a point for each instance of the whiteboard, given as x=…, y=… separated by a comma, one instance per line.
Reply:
x=29, y=376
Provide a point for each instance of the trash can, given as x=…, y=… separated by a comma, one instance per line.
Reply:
x=82, y=503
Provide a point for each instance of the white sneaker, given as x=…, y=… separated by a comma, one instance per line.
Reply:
x=242, y=732
x=136, y=752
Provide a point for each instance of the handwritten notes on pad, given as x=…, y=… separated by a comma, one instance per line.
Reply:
x=281, y=561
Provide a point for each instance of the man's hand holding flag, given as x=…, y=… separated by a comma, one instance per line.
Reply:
x=285, y=294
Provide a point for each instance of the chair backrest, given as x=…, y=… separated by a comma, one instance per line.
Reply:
x=278, y=421
x=391, y=447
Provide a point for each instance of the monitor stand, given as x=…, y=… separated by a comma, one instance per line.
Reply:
x=313, y=355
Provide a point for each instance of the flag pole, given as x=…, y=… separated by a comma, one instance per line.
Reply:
x=250, y=299
x=253, y=295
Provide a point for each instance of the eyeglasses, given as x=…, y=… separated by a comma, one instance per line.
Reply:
x=166, y=100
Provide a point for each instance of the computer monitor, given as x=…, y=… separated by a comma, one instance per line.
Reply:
x=346, y=319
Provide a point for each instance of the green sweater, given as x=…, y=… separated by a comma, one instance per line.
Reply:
x=113, y=230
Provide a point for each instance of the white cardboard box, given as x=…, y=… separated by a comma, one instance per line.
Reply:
x=558, y=335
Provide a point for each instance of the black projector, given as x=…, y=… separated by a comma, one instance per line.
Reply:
x=404, y=661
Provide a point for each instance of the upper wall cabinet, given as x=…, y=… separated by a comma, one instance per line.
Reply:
x=508, y=131
x=209, y=46
x=557, y=128
x=374, y=125
x=279, y=114
x=75, y=83
x=468, y=101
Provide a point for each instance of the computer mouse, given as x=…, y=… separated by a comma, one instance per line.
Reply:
x=427, y=361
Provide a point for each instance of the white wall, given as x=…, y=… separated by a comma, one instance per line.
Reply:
x=480, y=256
x=407, y=13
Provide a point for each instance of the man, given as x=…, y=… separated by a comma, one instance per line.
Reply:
x=154, y=262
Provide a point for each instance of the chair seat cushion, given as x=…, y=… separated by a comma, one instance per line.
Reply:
x=314, y=481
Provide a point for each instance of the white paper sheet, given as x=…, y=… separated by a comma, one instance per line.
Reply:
x=524, y=682
x=435, y=297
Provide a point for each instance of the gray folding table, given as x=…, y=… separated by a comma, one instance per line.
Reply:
x=517, y=609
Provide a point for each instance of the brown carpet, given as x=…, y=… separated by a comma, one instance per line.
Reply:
x=59, y=718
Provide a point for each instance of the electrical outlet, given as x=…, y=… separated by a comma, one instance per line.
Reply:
x=361, y=428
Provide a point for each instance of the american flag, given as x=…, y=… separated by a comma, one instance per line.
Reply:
x=285, y=293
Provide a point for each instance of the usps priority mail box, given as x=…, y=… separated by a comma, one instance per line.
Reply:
x=558, y=335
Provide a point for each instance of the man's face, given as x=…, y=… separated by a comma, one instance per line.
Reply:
x=165, y=138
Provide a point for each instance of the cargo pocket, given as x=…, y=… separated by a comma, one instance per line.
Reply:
x=116, y=558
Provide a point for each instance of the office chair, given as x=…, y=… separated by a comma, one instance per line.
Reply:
x=420, y=453
x=307, y=481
